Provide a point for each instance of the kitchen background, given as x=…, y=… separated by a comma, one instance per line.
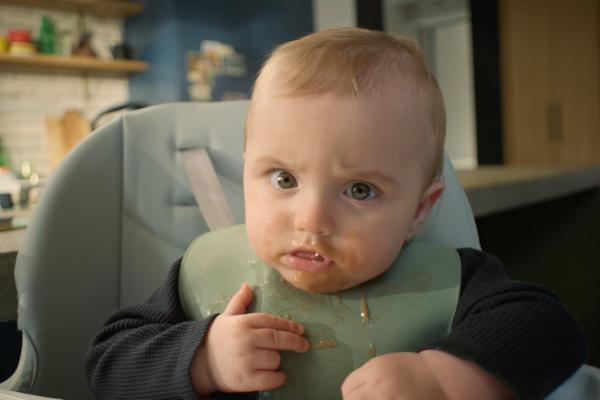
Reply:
x=181, y=42
x=512, y=62
x=29, y=96
x=521, y=79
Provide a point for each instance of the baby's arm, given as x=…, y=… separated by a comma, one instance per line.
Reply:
x=241, y=351
x=517, y=332
x=462, y=379
x=145, y=351
x=505, y=335
x=431, y=374
x=151, y=351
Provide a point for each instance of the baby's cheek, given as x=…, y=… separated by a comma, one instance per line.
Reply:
x=268, y=237
x=256, y=236
x=358, y=248
x=370, y=255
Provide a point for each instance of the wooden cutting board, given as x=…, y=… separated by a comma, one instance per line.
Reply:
x=63, y=133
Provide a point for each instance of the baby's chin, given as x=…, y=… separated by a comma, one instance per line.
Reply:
x=315, y=282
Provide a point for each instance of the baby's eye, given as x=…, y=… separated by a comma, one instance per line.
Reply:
x=360, y=191
x=283, y=179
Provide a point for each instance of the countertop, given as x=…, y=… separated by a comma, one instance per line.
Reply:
x=493, y=189
x=10, y=236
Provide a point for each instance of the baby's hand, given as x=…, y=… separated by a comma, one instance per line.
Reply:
x=241, y=351
x=393, y=376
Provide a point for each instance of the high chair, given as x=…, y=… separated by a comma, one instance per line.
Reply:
x=118, y=212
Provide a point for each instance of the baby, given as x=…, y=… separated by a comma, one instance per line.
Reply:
x=342, y=164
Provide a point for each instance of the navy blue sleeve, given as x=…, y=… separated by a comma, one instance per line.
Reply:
x=145, y=351
x=516, y=331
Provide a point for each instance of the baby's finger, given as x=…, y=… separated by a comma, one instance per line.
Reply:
x=268, y=360
x=280, y=340
x=266, y=380
x=240, y=301
x=263, y=320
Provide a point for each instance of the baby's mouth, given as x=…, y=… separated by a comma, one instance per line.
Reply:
x=308, y=260
x=309, y=255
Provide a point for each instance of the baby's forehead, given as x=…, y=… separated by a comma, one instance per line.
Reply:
x=279, y=78
x=368, y=120
x=395, y=107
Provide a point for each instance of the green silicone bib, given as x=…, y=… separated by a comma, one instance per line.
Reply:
x=411, y=304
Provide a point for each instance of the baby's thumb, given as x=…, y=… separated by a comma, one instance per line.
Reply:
x=240, y=301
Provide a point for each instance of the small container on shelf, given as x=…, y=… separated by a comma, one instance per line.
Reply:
x=22, y=49
x=19, y=43
x=19, y=35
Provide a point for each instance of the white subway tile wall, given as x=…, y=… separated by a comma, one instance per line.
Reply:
x=26, y=97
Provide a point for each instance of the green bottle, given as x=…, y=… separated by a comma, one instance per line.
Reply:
x=47, y=39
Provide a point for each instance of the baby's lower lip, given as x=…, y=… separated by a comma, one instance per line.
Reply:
x=304, y=262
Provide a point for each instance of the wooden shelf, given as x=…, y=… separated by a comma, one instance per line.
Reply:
x=105, y=8
x=42, y=61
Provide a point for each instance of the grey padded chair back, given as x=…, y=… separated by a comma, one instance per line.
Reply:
x=118, y=212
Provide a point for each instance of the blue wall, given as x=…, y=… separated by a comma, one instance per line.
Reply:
x=168, y=29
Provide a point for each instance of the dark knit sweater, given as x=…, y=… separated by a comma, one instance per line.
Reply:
x=518, y=332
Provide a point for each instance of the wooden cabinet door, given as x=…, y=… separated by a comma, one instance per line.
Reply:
x=550, y=73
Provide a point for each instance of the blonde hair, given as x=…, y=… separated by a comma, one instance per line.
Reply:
x=357, y=62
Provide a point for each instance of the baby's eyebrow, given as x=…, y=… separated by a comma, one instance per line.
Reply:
x=374, y=176
x=270, y=161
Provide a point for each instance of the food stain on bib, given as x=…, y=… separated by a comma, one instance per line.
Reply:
x=324, y=342
x=364, y=309
x=218, y=306
x=372, y=350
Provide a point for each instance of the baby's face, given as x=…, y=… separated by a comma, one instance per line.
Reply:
x=332, y=186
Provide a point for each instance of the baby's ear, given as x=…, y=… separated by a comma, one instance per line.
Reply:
x=428, y=199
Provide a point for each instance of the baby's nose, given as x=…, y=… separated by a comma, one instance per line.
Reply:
x=314, y=215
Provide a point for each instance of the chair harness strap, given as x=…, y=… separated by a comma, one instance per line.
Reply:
x=207, y=189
